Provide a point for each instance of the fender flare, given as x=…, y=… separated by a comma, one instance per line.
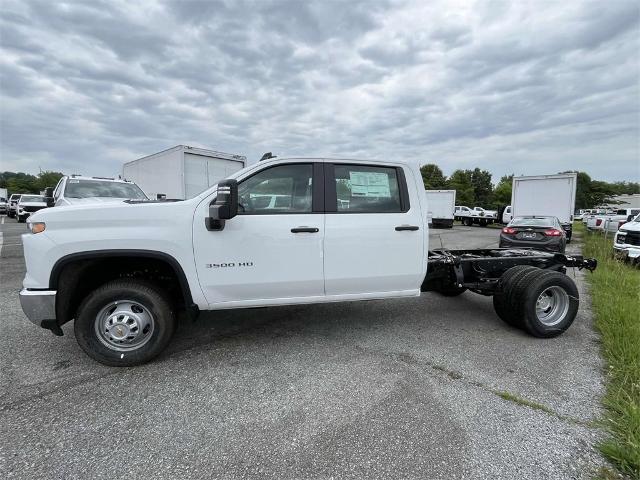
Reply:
x=101, y=254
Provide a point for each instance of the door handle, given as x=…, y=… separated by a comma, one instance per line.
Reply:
x=402, y=228
x=305, y=230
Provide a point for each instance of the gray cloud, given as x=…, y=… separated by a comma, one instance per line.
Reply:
x=511, y=87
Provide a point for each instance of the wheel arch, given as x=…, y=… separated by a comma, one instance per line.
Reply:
x=77, y=263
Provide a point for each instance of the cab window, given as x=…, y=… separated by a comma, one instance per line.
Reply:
x=367, y=189
x=277, y=190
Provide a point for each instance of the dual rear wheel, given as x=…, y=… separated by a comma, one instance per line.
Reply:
x=544, y=303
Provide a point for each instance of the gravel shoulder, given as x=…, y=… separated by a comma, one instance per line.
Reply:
x=379, y=389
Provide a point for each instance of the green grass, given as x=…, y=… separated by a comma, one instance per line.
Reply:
x=615, y=292
x=523, y=401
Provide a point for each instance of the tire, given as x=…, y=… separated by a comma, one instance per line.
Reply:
x=548, y=304
x=142, y=304
x=483, y=223
x=20, y=219
x=502, y=300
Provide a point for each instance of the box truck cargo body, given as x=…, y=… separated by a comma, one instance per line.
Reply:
x=440, y=206
x=181, y=172
x=546, y=195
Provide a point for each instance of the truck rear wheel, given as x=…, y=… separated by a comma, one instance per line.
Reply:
x=124, y=323
x=502, y=300
x=547, y=304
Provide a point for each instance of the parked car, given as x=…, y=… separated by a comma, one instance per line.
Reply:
x=121, y=271
x=627, y=239
x=597, y=221
x=13, y=204
x=3, y=205
x=28, y=205
x=539, y=232
x=77, y=190
x=589, y=214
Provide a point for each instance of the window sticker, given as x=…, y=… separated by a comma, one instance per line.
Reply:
x=370, y=184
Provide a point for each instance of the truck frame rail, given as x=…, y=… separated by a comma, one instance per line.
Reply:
x=480, y=270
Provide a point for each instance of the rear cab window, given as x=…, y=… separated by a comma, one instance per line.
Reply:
x=367, y=189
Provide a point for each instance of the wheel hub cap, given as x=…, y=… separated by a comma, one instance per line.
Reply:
x=552, y=306
x=124, y=325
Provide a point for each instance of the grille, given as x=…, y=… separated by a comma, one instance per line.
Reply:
x=31, y=209
x=632, y=238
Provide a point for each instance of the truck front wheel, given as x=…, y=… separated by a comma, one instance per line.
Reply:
x=124, y=323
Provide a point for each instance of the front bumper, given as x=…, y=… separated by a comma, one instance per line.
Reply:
x=629, y=251
x=39, y=306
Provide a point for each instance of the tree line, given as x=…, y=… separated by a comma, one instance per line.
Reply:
x=475, y=187
x=19, y=182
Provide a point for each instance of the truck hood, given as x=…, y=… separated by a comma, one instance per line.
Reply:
x=630, y=227
x=94, y=200
x=114, y=213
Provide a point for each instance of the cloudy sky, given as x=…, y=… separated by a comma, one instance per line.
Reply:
x=525, y=87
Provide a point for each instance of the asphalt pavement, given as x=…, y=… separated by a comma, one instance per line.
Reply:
x=407, y=388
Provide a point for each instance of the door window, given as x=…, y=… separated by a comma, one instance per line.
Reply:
x=277, y=190
x=365, y=189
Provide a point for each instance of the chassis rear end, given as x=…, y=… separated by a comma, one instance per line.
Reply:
x=530, y=288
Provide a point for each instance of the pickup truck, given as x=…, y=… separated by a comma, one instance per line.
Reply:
x=478, y=215
x=626, y=241
x=351, y=230
x=621, y=216
x=78, y=189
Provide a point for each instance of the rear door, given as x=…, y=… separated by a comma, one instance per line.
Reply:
x=374, y=236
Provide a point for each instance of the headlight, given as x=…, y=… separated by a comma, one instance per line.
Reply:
x=36, y=227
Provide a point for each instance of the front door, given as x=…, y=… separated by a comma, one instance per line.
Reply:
x=271, y=252
x=374, y=239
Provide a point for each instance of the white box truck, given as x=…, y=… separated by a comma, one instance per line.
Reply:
x=181, y=172
x=546, y=195
x=440, y=206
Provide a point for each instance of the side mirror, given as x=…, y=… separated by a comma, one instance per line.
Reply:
x=48, y=192
x=630, y=217
x=225, y=206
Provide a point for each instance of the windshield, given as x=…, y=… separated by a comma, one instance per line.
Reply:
x=31, y=198
x=532, y=222
x=77, y=188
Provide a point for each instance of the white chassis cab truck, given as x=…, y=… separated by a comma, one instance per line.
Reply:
x=478, y=215
x=346, y=230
